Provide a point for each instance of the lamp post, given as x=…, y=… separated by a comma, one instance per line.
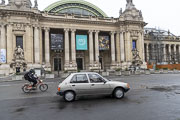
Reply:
x=58, y=56
x=99, y=64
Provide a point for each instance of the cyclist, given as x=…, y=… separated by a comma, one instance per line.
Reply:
x=31, y=77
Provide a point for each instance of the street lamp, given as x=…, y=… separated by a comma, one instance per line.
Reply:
x=58, y=56
x=99, y=64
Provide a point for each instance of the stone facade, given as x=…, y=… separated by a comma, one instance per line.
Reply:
x=18, y=18
x=161, y=47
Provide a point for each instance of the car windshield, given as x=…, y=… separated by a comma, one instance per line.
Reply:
x=106, y=79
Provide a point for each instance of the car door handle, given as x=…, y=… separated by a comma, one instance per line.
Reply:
x=92, y=84
x=73, y=85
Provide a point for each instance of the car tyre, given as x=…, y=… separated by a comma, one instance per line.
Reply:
x=69, y=96
x=118, y=93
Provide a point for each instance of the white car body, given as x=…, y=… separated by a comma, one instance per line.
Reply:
x=93, y=84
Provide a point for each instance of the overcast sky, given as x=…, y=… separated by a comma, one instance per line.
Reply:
x=163, y=14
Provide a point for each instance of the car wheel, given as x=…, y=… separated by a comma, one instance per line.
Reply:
x=118, y=93
x=69, y=96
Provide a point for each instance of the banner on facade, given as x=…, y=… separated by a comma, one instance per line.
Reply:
x=57, y=42
x=103, y=42
x=81, y=42
x=3, y=55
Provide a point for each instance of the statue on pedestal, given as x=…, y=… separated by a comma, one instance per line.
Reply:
x=136, y=62
x=18, y=62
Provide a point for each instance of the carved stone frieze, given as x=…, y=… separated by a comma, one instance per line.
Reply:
x=18, y=27
x=134, y=33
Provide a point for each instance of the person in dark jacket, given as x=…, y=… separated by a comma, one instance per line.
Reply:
x=32, y=77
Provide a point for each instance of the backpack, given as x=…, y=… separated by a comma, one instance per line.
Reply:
x=26, y=76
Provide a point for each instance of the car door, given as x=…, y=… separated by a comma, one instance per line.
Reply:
x=98, y=84
x=80, y=84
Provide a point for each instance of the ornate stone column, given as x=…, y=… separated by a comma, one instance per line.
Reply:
x=179, y=53
x=122, y=47
x=28, y=45
x=3, y=41
x=128, y=47
x=9, y=44
x=142, y=43
x=164, y=52
x=147, y=52
x=113, y=57
x=118, y=54
x=66, y=49
x=97, y=46
x=36, y=45
x=91, y=52
x=47, y=47
x=174, y=47
x=170, y=53
x=112, y=48
x=152, y=52
x=73, y=49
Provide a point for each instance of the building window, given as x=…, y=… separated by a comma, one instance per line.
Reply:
x=134, y=44
x=19, y=41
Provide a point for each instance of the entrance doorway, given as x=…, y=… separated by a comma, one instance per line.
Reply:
x=57, y=64
x=79, y=63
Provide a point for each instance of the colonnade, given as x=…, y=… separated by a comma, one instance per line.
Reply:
x=162, y=53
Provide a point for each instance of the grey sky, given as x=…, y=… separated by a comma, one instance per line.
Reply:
x=163, y=14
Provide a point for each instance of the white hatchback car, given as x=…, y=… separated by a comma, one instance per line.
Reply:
x=90, y=83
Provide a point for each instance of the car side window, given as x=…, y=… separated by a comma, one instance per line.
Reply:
x=95, y=78
x=80, y=78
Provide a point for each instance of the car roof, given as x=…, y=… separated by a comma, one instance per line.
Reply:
x=84, y=73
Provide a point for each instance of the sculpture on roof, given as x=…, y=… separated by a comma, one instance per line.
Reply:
x=35, y=4
x=120, y=12
x=140, y=13
x=129, y=4
x=3, y=2
x=129, y=1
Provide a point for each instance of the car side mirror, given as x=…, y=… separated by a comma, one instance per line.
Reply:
x=104, y=82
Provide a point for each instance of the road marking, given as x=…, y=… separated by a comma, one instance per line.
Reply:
x=5, y=85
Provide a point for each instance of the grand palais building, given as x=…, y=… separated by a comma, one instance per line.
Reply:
x=71, y=35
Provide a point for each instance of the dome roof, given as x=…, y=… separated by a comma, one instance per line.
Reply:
x=79, y=7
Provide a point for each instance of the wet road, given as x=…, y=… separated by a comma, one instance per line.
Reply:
x=152, y=97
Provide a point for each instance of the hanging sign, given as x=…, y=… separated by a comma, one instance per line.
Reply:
x=57, y=42
x=103, y=42
x=81, y=42
x=3, y=55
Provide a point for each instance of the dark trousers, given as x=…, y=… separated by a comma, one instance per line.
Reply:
x=34, y=81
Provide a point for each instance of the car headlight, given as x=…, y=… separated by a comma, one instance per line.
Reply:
x=128, y=85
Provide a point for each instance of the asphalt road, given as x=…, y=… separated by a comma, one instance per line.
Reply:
x=152, y=97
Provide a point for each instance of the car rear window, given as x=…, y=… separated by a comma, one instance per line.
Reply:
x=80, y=78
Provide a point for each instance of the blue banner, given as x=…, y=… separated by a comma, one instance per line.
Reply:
x=81, y=42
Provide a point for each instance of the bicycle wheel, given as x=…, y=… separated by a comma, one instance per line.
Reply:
x=43, y=87
x=26, y=89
